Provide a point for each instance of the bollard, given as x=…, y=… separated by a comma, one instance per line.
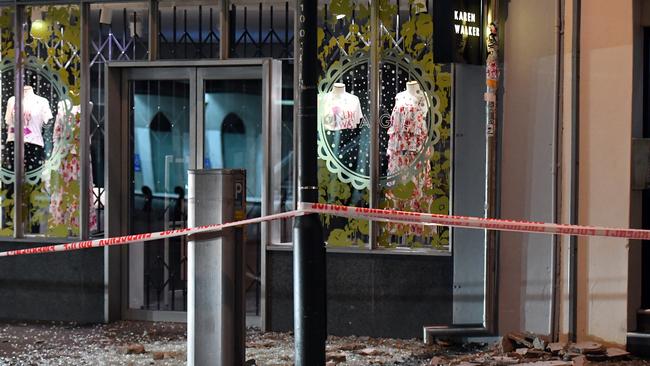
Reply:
x=216, y=319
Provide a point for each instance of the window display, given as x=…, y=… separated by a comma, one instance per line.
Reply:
x=411, y=122
x=51, y=68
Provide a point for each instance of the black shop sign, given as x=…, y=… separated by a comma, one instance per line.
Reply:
x=459, y=31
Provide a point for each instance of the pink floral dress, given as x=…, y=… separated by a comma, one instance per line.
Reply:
x=407, y=136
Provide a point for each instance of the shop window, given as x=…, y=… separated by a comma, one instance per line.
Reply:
x=413, y=119
x=7, y=73
x=50, y=124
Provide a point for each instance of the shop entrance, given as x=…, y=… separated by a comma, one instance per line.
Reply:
x=175, y=119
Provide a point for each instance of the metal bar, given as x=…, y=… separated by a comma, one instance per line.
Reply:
x=84, y=135
x=286, y=29
x=259, y=31
x=575, y=168
x=185, y=34
x=245, y=29
x=135, y=34
x=555, y=256
x=198, y=51
x=224, y=31
x=271, y=32
x=174, y=24
x=154, y=30
x=309, y=290
x=19, y=170
x=375, y=102
x=491, y=109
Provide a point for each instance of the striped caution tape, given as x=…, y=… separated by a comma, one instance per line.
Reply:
x=472, y=222
x=354, y=213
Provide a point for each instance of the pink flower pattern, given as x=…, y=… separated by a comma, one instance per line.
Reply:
x=66, y=211
x=407, y=135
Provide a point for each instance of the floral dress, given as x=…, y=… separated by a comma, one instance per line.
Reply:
x=407, y=136
x=64, y=205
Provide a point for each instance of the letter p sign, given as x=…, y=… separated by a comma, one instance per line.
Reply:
x=239, y=195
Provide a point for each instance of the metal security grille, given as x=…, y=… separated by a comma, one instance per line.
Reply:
x=119, y=34
x=261, y=30
x=190, y=32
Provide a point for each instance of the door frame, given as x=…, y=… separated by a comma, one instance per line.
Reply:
x=118, y=151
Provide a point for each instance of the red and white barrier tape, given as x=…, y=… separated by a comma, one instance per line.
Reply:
x=137, y=238
x=472, y=222
x=355, y=213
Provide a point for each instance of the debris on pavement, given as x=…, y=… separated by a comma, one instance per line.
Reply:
x=162, y=344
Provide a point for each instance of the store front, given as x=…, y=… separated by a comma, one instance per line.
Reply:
x=157, y=88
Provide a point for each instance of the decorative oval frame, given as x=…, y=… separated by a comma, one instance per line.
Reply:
x=434, y=116
x=44, y=70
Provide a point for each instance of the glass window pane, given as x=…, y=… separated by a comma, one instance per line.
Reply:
x=282, y=229
x=415, y=125
x=50, y=121
x=160, y=128
x=233, y=140
x=344, y=121
x=7, y=73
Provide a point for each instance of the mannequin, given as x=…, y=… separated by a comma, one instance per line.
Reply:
x=408, y=128
x=64, y=204
x=338, y=109
x=407, y=136
x=338, y=89
x=36, y=113
x=413, y=88
x=339, y=116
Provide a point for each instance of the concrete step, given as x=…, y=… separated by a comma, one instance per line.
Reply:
x=638, y=344
x=643, y=321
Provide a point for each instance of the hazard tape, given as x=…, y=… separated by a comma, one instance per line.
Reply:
x=472, y=222
x=138, y=238
x=354, y=213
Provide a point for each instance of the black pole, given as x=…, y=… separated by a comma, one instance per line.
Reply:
x=575, y=171
x=310, y=318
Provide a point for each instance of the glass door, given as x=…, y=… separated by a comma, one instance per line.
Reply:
x=191, y=118
x=162, y=122
x=231, y=136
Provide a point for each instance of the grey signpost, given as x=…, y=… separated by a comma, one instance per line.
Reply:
x=216, y=318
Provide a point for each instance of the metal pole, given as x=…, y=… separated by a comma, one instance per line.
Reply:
x=215, y=266
x=575, y=169
x=556, y=200
x=20, y=26
x=492, y=86
x=310, y=318
x=84, y=141
x=154, y=30
x=224, y=30
x=375, y=102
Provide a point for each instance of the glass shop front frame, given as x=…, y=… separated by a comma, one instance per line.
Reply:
x=384, y=147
